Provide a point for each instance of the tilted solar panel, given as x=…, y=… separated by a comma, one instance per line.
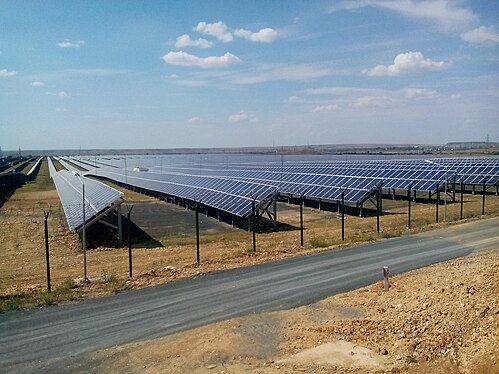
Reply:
x=228, y=195
x=98, y=197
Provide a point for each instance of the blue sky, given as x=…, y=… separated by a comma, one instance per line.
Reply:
x=168, y=74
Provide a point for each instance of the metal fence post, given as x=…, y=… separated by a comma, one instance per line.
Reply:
x=47, y=257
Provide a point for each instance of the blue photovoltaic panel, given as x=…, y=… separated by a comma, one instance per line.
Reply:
x=98, y=197
x=52, y=170
x=318, y=179
x=228, y=195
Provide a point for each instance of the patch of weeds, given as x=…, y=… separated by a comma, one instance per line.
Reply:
x=63, y=292
x=390, y=234
x=13, y=302
x=113, y=282
x=249, y=250
x=318, y=243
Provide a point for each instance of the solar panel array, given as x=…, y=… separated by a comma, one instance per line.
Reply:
x=229, y=185
x=98, y=196
x=232, y=196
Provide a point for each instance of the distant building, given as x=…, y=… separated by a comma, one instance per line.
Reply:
x=471, y=145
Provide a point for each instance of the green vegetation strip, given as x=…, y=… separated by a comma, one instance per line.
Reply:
x=67, y=291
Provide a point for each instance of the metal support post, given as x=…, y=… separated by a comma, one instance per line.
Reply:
x=120, y=225
x=445, y=201
x=483, y=195
x=129, y=240
x=198, y=260
x=437, y=201
x=461, y=199
x=302, y=198
x=253, y=215
x=342, y=215
x=378, y=208
x=274, y=204
x=84, y=239
x=409, y=207
x=47, y=257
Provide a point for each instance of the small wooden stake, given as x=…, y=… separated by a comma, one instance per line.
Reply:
x=385, y=276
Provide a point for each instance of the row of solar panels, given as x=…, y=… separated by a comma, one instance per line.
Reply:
x=468, y=170
x=98, y=196
x=232, y=196
x=214, y=183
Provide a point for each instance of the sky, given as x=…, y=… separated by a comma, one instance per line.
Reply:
x=174, y=74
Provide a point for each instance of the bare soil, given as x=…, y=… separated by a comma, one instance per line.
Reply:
x=440, y=319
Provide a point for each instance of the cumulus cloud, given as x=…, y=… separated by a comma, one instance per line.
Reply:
x=186, y=41
x=481, y=34
x=66, y=43
x=185, y=59
x=266, y=35
x=243, y=116
x=410, y=62
x=7, y=73
x=420, y=93
x=325, y=108
x=218, y=29
x=37, y=84
x=448, y=14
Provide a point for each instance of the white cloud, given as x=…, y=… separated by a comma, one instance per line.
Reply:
x=60, y=94
x=186, y=41
x=174, y=76
x=294, y=99
x=410, y=62
x=219, y=30
x=190, y=83
x=37, y=84
x=285, y=72
x=325, y=108
x=184, y=59
x=481, y=34
x=66, y=43
x=7, y=73
x=266, y=35
x=446, y=13
x=243, y=116
x=420, y=93
x=372, y=101
x=194, y=120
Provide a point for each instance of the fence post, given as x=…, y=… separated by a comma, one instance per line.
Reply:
x=129, y=211
x=385, y=276
x=47, y=257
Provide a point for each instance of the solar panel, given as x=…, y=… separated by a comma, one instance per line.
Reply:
x=326, y=180
x=52, y=170
x=228, y=195
x=98, y=197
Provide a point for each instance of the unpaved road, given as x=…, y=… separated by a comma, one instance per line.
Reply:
x=39, y=340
